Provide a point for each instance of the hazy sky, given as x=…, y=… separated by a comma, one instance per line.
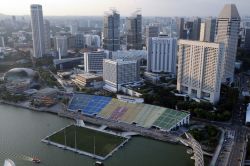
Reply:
x=125, y=7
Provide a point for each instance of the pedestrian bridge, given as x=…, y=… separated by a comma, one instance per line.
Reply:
x=197, y=151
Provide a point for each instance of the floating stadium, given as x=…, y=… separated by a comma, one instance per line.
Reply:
x=140, y=114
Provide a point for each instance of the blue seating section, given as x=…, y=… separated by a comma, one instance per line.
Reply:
x=88, y=104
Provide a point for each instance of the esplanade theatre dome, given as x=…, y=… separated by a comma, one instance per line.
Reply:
x=21, y=74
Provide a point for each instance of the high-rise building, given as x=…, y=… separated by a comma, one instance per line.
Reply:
x=71, y=42
x=2, y=43
x=92, y=41
x=119, y=72
x=73, y=28
x=161, y=54
x=180, y=27
x=202, y=32
x=14, y=18
x=196, y=28
x=93, y=61
x=247, y=38
x=134, y=32
x=188, y=29
x=199, y=69
x=111, y=31
x=227, y=32
x=47, y=41
x=210, y=25
x=151, y=31
x=62, y=46
x=37, y=27
x=79, y=40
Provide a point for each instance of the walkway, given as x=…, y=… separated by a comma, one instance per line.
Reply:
x=218, y=149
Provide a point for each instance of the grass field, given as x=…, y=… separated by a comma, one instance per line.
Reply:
x=104, y=143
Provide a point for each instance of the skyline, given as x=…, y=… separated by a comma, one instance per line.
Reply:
x=125, y=8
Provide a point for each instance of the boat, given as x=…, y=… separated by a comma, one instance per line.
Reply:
x=36, y=160
x=9, y=162
x=99, y=163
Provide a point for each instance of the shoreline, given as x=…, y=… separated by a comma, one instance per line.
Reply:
x=143, y=132
x=160, y=136
x=18, y=105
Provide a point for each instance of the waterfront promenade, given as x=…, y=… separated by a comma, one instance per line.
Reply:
x=146, y=132
x=151, y=133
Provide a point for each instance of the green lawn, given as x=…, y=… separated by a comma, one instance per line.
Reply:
x=104, y=143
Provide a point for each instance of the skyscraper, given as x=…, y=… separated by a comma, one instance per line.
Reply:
x=227, y=31
x=2, y=43
x=62, y=46
x=151, y=31
x=37, y=26
x=134, y=31
x=180, y=27
x=47, y=36
x=188, y=29
x=79, y=40
x=199, y=69
x=92, y=41
x=73, y=28
x=111, y=31
x=247, y=38
x=202, y=32
x=196, y=28
x=210, y=25
x=161, y=56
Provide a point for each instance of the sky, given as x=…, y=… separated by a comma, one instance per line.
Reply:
x=125, y=7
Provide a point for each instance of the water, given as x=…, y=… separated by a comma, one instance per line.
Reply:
x=21, y=132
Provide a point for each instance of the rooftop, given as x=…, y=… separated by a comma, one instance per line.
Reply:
x=46, y=91
x=229, y=11
x=88, y=75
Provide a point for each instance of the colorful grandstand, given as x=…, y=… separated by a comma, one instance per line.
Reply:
x=171, y=118
x=143, y=115
x=88, y=104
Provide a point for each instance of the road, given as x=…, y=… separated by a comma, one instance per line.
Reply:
x=238, y=151
x=233, y=150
